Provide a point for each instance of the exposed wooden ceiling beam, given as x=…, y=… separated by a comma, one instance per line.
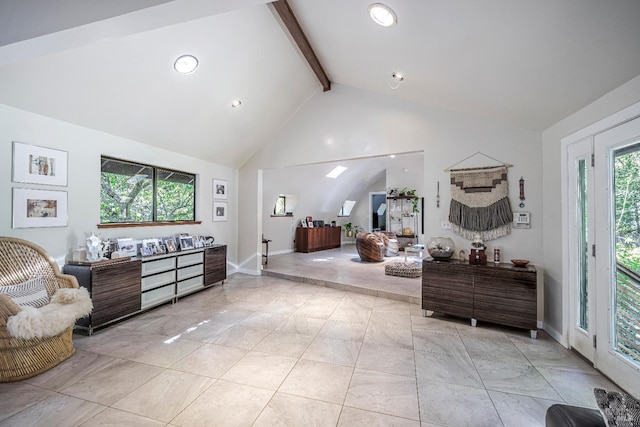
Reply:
x=292, y=24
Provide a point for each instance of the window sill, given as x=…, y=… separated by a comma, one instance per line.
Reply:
x=282, y=216
x=146, y=224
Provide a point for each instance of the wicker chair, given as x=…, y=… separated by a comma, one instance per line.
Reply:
x=21, y=358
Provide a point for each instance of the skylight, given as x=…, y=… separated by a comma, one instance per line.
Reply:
x=336, y=172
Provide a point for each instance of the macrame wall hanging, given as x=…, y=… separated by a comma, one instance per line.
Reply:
x=480, y=201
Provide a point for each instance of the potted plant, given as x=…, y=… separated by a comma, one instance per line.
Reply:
x=348, y=228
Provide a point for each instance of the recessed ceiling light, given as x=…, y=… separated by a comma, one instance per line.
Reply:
x=186, y=64
x=336, y=172
x=393, y=156
x=236, y=103
x=398, y=76
x=382, y=15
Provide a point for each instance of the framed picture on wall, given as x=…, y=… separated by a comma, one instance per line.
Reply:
x=39, y=165
x=219, y=211
x=39, y=208
x=220, y=189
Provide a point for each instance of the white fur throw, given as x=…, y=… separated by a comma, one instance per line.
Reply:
x=65, y=307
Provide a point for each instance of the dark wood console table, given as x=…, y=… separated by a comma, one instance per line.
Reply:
x=502, y=293
x=317, y=239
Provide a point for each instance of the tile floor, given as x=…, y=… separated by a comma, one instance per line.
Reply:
x=264, y=351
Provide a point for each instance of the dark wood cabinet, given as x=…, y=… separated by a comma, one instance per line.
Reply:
x=317, y=239
x=215, y=264
x=114, y=288
x=502, y=293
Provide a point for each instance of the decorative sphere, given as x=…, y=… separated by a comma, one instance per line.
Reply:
x=440, y=248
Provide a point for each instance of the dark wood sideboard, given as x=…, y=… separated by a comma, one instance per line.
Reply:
x=114, y=290
x=120, y=289
x=496, y=293
x=317, y=238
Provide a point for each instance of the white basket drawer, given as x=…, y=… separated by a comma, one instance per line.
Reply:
x=190, y=284
x=157, y=266
x=194, y=270
x=156, y=280
x=157, y=296
x=190, y=259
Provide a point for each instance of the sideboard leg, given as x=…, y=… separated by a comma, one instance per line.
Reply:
x=534, y=334
x=427, y=313
x=474, y=322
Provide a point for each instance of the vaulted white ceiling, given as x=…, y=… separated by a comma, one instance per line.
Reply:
x=522, y=63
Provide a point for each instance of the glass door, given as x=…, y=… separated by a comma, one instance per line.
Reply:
x=581, y=235
x=617, y=212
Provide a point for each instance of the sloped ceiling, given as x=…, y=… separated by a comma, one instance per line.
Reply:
x=523, y=63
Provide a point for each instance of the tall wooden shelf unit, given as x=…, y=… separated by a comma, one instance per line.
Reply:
x=400, y=216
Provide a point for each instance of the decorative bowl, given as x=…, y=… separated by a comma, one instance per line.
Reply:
x=520, y=262
x=440, y=248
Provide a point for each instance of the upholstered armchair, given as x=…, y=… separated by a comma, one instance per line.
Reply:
x=371, y=247
x=38, y=310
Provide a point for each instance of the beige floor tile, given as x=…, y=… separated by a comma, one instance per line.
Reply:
x=269, y=321
x=351, y=314
x=391, y=320
x=111, y=417
x=301, y=325
x=576, y=388
x=494, y=349
x=113, y=382
x=382, y=335
x=210, y=360
x=293, y=411
x=18, y=396
x=57, y=410
x=165, y=396
x=385, y=393
x=314, y=311
x=389, y=306
x=224, y=404
x=70, y=371
x=343, y=330
x=204, y=331
x=260, y=370
x=450, y=404
x=329, y=350
x=352, y=417
x=240, y=337
x=318, y=380
x=447, y=368
x=435, y=342
x=284, y=344
x=516, y=410
x=514, y=378
x=393, y=360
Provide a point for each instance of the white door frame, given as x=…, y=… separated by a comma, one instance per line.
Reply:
x=600, y=126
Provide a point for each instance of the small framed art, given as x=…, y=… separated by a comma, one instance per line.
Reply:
x=39, y=165
x=220, y=189
x=219, y=211
x=39, y=208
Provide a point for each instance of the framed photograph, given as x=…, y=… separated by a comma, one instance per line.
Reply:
x=39, y=165
x=39, y=208
x=220, y=189
x=219, y=211
x=170, y=244
x=303, y=223
x=162, y=249
x=127, y=246
x=186, y=243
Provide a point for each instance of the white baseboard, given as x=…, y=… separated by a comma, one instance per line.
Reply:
x=249, y=272
x=555, y=335
x=284, y=251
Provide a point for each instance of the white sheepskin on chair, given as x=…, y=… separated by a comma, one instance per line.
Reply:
x=65, y=307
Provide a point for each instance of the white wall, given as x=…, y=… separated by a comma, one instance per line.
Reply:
x=347, y=123
x=85, y=147
x=614, y=101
